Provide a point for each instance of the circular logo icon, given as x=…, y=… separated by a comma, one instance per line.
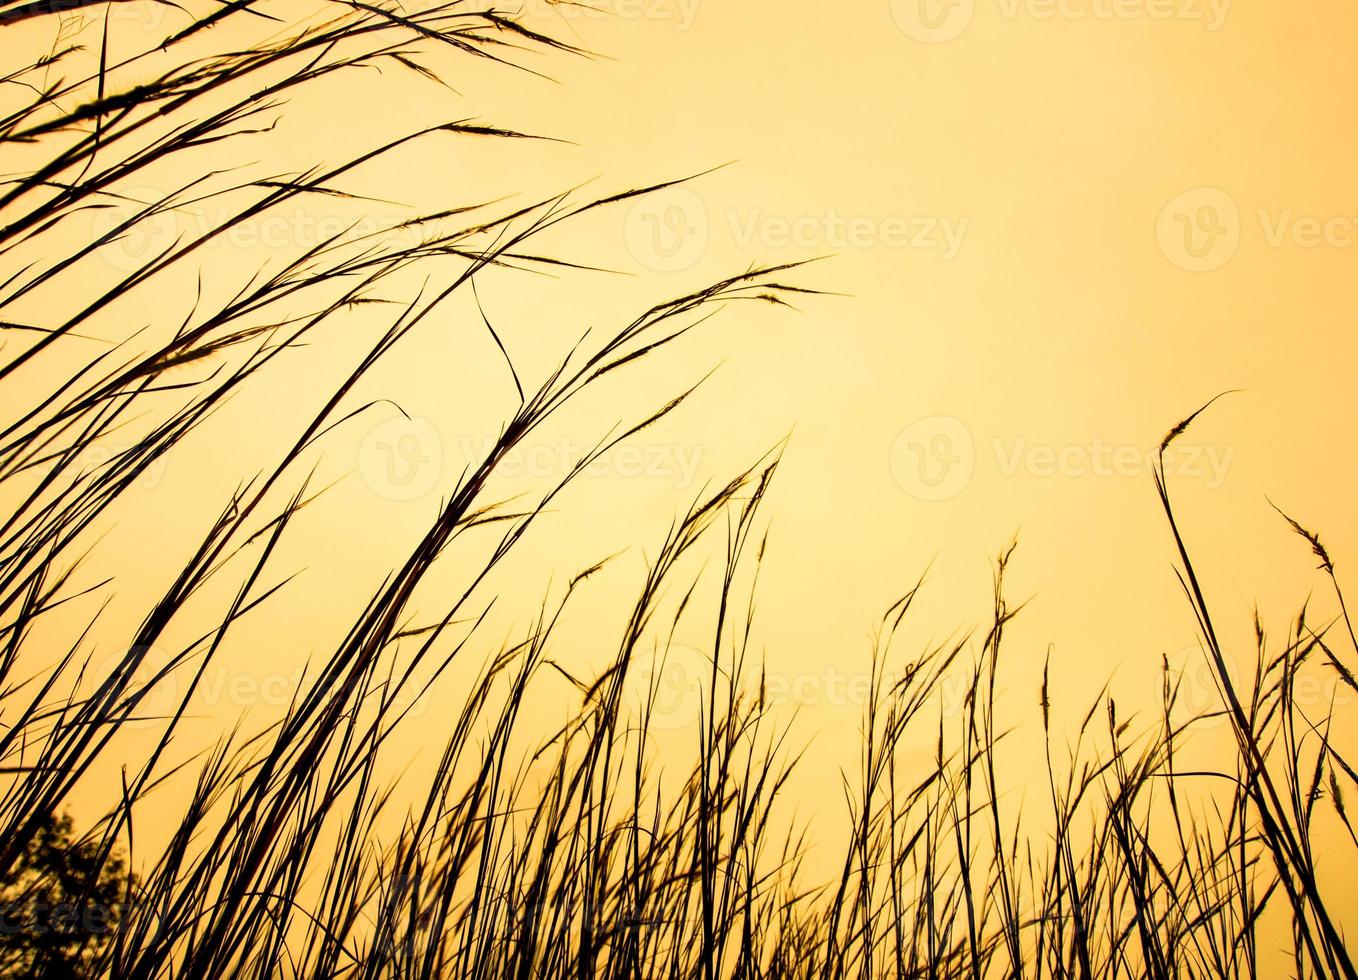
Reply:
x=670, y=689
x=667, y=231
x=1199, y=230
x=1198, y=692
x=156, y=698
x=141, y=241
x=934, y=458
x=933, y=21
x=401, y=459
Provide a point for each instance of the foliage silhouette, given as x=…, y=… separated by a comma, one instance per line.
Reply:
x=571, y=853
x=60, y=902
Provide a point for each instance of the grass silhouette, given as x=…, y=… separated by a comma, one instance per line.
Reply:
x=574, y=857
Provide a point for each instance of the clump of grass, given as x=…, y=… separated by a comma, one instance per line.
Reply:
x=575, y=856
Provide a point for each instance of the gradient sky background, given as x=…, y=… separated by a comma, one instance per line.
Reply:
x=1056, y=231
x=1072, y=155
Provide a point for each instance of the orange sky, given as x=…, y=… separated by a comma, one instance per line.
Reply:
x=1057, y=228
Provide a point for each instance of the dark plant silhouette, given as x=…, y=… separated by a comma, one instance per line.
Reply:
x=60, y=903
x=575, y=851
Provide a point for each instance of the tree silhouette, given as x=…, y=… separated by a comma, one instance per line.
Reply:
x=59, y=903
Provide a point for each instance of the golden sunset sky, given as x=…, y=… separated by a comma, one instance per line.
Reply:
x=1047, y=232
